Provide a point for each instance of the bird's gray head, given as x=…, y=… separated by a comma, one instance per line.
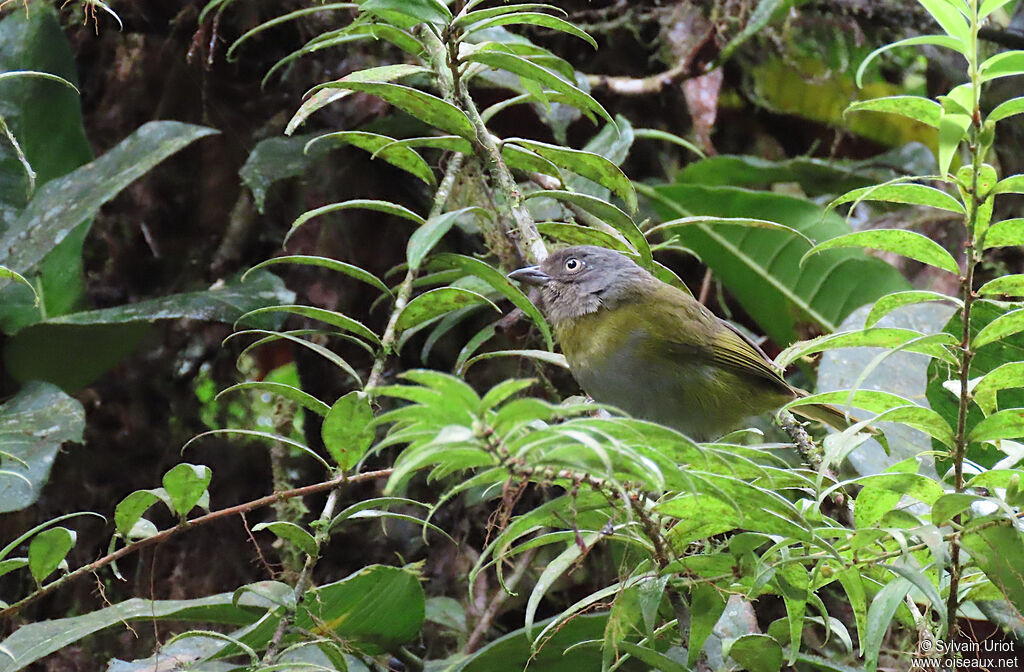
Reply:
x=582, y=279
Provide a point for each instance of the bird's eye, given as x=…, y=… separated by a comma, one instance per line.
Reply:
x=573, y=265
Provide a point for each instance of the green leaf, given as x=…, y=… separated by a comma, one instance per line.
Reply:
x=377, y=608
x=324, y=262
x=379, y=146
x=1014, y=184
x=330, y=317
x=989, y=6
x=950, y=18
x=592, y=166
x=17, y=277
x=424, y=238
x=760, y=267
x=891, y=302
x=437, y=302
x=1005, y=64
x=1005, y=376
x=433, y=12
x=1006, y=424
x=554, y=358
x=674, y=224
x=532, y=71
x=499, y=282
x=530, y=19
x=288, y=392
x=1005, y=325
x=911, y=194
x=952, y=131
x=875, y=337
x=1006, y=109
x=130, y=509
x=706, y=607
x=918, y=108
x=657, y=661
x=606, y=212
x=33, y=426
x=379, y=206
x=917, y=486
x=63, y=203
x=34, y=641
x=950, y=505
x=348, y=429
x=47, y=550
x=936, y=40
x=898, y=241
x=284, y=18
x=1007, y=233
x=185, y=485
x=997, y=550
x=880, y=615
x=575, y=234
x=292, y=533
x=424, y=106
x=324, y=97
x=275, y=159
x=852, y=583
x=757, y=653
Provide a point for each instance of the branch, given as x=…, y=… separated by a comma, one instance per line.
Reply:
x=160, y=537
x=643, y=86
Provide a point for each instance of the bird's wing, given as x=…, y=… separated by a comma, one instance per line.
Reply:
x=728, y=347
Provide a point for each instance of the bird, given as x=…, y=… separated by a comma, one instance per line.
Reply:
x=652, y=350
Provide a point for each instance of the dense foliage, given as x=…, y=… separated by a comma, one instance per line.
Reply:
x=487, y=518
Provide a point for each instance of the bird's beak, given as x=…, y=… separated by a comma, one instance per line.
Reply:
x=531, y=275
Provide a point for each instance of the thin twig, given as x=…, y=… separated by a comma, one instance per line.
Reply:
x=160, y=537
x=497, y=601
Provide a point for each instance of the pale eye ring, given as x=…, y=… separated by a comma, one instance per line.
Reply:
x=573, y=265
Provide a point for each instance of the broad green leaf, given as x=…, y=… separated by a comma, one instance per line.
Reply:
x=467, y=17
x=952, y=131
x=324, y=97
x=1005, y=325
x=379, y=146
x=499, y=282
x=911, y=194
x=375, y=607
x=891, y=302
x=554, y=358
x=47, y=550
x=348, y=429
x=424, y=106
x=63, y=203
x=950, y=505
x=920, y=109
x=793, y=582
x=989, y=6
x=760, y=267
x=852, y=583
x=530, y=19
x=936, y=40
x=950, y=18
x=917, y=486
x=288, y=392
x=1007, y=233
x=426, y=236
x=606, y=212
x=185, y=485
x=898, y=241
x=673, y=224
x=1008, y=375
x=1006, y=424
x=706, y=606
x=130, y=509
x=997, y=550
x=757, y=653
x=292, y=533
x=575, y=234
x=657, y=661
x=33, y=426
x=34, y=641
x=1005, y=64
x=324, y=262
x=433, y=12
x=874, y=337
x=1014, y=184
x=275, y=159
x=592, y=166
x=529, y=70
x=1007, y=109
x=331, y=317
x=284, y=18
x=437, y=302
x=880, y=615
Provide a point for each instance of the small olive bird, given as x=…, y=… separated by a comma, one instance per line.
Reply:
x=651, y=349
